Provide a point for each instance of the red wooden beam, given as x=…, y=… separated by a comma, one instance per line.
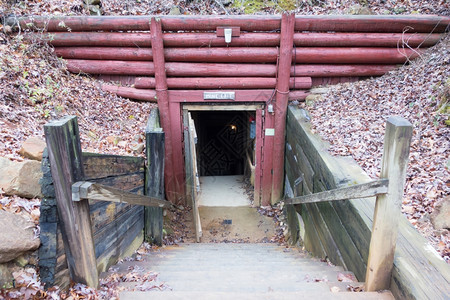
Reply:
x=282, y=98
x=186, y=96
x=322, y=55
x=375, y=23
x=252, y=39
x=258, y=157
x=137, y=68
x=347, y=23
x=221, y=83
x=174, y=188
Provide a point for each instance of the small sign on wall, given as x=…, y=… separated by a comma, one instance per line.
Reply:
x=270, y=131
x=218, y=95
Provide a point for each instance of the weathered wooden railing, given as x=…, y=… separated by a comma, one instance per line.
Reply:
x=73, y=194
x=389, y=191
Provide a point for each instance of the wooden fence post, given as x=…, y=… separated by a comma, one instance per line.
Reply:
x=154, y=177
x=64, y=150
x=388, y=206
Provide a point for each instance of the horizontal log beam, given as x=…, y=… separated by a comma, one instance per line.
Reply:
x=137, y=68
x=221, y=83
x=252, y=39
x=87, y=190
x=184, y=96
x=347, y=23
x=322, y=55
x=364, y=190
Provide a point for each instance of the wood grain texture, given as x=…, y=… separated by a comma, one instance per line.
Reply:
x=388, y=206
x=106, y=165
x=84, y=190
x=154, y=177
x=246, y=39
x=64, y=150
x=363, y=190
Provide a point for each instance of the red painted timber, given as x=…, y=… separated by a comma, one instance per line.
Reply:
x=357, y=39
x=258, y=157
x=322, y=55
x=341, y=70
x=220, y=83
x=185, y=96
x=350, y=23
x=282, y=99
x=105, y=53
x=419, y=23
x=132, y=93
x=173, y=186
x=110, y=67
x=140, y=23
x=267, y=160
x=257, y=39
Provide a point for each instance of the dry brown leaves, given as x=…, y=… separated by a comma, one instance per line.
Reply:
x=276, y=213
x=352, y=119
x=215, y=7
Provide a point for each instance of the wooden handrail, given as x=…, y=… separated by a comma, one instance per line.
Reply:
x=389, y=192
x=364, y=190
x=82, y=190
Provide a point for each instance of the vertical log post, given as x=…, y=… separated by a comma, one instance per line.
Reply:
x=282, y=97
x=162, y=96
x=154, y=178
x=388, y=206
x=64, y=150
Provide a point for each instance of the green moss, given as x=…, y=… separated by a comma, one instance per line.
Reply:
x=252, y=6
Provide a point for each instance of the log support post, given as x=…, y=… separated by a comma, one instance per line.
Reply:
x=282, y=99
x=154, y=178
x=174, y=188
x=388, y=206
x=64, y=150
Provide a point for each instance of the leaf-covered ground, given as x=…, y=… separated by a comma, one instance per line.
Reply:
x=351, y=117
x=35, y=88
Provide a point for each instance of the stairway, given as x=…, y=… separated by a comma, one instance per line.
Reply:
x=242, y=271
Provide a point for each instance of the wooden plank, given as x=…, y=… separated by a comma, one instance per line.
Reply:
x=133, y=182
x=282, y=99
x=356, y=23
x=363, y=190
x=312, y=241
x=307, y=55
x=185, y=69
x=103, y=165
x=63, y=144
x=397, y=142
x=222, y=107
x=154, y=183
x=82, y=190
x=259, y=139
x=267, y=158
x=220, y=83
x=195, y=178
x=246, y=39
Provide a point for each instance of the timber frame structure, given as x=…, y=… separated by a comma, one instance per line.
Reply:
x=234, y=60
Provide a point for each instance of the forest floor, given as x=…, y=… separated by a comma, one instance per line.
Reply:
x=35, y=88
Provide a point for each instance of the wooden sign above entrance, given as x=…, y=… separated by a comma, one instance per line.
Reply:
x=218, y=95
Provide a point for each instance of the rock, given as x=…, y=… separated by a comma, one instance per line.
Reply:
x=138, y=148
x=440, y=218
x=311, y=98
x=33, y=148
x=6, y=278
x=16, y=236
x=359, y=10
x=20, y=178
x=175, y=10
x=322, y=90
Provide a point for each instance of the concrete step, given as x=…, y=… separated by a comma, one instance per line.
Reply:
x=240, y=271
x=255, y=296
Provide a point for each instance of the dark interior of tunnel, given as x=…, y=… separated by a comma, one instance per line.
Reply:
x=223, y=139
